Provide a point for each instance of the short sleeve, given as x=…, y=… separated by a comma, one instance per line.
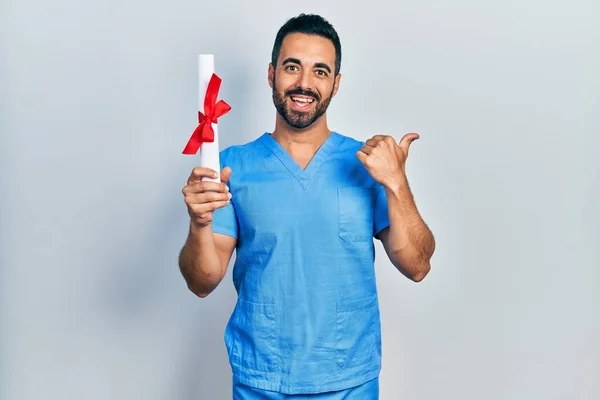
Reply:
x=225, y=221
x=381, y=219
x=225, y=218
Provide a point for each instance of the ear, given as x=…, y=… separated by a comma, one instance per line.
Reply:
x=270, y=75
x=336, y=84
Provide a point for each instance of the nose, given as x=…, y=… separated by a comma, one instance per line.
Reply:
x=305, y=81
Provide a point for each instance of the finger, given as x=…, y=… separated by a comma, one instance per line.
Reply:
x=362, y=157
x=390, y=140
x=201, y=172
x=225, y=174
x=367, y=149
x=199, y=209
x=205, y=186
x=379, y=138
x=407, y=139
x=373, y=142
x=206, y=197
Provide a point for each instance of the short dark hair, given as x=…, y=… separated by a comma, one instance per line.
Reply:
x=310, y=24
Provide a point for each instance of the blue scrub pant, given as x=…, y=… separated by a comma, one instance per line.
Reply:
x=366, y=391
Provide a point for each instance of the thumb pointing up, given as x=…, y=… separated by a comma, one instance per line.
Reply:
x=407, y=140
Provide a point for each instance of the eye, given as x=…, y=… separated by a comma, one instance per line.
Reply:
x=321, y=72
x=292, y=68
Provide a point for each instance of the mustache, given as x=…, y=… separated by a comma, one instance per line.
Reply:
x=302, y=92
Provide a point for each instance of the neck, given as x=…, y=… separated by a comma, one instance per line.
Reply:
x=313, y=136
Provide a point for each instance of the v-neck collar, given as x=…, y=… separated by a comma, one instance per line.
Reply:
x=302, y=175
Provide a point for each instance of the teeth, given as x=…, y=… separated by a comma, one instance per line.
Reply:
x=302, y=100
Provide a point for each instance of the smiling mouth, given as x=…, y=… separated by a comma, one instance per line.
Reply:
x=302, y=101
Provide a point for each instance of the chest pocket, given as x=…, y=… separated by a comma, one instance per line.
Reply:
x=355, y=213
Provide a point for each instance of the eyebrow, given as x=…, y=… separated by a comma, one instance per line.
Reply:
x=296, y=61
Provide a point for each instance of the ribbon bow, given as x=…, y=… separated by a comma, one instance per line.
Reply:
x=204, y=132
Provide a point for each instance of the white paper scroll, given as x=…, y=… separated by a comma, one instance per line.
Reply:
x=209, y=152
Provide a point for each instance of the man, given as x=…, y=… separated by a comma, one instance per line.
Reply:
x=301, y=206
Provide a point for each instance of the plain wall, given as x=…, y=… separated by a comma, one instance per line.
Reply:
x=98, y=98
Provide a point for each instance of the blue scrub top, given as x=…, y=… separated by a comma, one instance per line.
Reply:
x=307, y=316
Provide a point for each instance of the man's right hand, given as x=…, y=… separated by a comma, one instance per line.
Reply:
x=203, y=197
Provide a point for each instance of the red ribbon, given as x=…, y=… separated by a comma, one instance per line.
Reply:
x=204, y=132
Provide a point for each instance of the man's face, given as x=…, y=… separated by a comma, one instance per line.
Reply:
x=303, y=80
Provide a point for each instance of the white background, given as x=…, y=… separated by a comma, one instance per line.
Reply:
x=97, y=101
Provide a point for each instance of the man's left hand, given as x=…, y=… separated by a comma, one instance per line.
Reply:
x=385, y=159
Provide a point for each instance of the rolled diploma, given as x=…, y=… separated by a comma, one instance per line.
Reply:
x=209, y=152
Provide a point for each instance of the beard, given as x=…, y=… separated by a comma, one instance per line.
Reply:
x=300, y=119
